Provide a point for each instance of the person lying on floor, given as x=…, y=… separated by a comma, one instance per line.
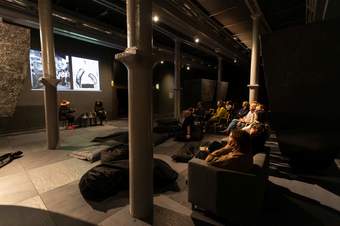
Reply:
x=187, y=125
x=236, y=155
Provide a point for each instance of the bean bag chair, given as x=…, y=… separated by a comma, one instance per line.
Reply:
x=114, y=153
x=186, y=153
x=107, y=179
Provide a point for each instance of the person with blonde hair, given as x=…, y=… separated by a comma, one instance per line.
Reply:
x=245, y=121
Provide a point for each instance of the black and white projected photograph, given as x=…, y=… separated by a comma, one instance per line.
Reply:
x=85, y=74
x=62, y=69
x=36, y=69
x=62, y=64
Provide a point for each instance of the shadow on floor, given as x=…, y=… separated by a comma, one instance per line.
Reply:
x=327, y=179
x=283, y=207
x=24, y=216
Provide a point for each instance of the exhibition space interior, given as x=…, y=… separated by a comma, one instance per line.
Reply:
x=169, y=112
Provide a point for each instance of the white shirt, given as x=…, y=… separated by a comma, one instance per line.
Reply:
x=250, y=117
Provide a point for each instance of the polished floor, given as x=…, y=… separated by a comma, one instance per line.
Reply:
x=41, y=188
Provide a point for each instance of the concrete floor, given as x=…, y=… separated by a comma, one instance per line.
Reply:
x=41, y=188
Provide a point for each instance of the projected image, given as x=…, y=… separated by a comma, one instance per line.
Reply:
x=85, y=74
x=62, y=70
x=36, y=69
x=62, y=67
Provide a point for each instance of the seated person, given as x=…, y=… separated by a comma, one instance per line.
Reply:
x=261, y=114
x=100, y=112
x=199, y=112
x=244, y=110
x=187, y=126
x=219, y=113
x=66, y=113
x=258, y=137
x=242, y=122
x=236, y=155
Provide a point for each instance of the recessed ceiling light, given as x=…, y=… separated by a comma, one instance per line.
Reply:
x=162, y=62
x=235, y=60
x=197, y=40
x=188, y=68
x=155, y=18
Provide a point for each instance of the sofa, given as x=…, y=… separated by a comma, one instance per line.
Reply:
x=237, y=197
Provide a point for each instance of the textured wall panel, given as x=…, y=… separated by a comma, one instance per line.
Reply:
x=14, y=62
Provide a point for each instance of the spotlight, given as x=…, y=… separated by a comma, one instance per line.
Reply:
x=162, y=62
x=157, y=86
x=155, y=18
x=235, y=60
x=197, y=40
x=188, y=68
x=235, y=38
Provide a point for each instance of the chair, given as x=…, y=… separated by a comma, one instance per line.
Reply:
x=235, y=196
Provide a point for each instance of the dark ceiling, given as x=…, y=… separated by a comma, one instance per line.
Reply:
x=223, y=26
x=283, y=13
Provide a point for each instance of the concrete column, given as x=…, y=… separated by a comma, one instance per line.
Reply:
x=177, y=80
x=49, y=74
x=219, y=79
x=138, y=60
x=254, y=67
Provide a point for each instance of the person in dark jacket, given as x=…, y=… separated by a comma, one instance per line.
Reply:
x=66, y=113
x=187, y=127
x=100, y=112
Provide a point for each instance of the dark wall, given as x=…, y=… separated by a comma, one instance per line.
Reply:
x=29, y=112
x=302, y=71
x=163, y=99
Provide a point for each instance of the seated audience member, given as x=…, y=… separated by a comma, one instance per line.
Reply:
x=245, y=121
x=244, y=110
x=66, y=113
x=199, y=111
x=229, y=106
x=187, y=126
x=258, y=137
x=236, y=155
x=219, y=113
x=260, y=116
x=100, y=112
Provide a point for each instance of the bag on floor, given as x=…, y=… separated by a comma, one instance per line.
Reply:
x=114, y=153
x=106, y=180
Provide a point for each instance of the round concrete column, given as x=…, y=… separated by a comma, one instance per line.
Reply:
x=49, y=74
x=138, y=59
x=253, y=86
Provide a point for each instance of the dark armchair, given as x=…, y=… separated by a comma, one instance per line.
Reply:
x=236, y=196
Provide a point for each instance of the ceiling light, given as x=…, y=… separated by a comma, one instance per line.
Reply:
x=188, y=68
x=197, y=40
x=235, y=60
x=162, y=62
x=235, y=38
x=157, y=86
x=155, y=18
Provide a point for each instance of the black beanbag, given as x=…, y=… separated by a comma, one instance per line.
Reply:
x=114, y=153
x=106, y=180
x=103, y=181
